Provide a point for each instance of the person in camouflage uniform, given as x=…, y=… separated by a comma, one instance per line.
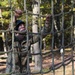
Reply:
x=20, y=40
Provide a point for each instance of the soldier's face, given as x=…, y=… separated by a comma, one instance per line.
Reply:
x=21, y=27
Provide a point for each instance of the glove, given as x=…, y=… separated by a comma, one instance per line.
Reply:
x=48, y=21
x=18, y=12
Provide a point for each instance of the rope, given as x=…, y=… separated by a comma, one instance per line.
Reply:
x=62, y=30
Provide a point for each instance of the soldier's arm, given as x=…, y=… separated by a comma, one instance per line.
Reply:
x=46, y=29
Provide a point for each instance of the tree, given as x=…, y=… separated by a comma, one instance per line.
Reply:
x=36, y=10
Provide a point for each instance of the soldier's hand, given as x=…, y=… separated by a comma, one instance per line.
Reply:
x=18, y=12
x=47, y=21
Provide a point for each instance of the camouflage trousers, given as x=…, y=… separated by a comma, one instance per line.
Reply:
x=18, y=64
x=17, y=60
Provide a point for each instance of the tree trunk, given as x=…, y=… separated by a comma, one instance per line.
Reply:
x=36, y=9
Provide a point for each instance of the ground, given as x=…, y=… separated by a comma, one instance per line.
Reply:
x=47, y=63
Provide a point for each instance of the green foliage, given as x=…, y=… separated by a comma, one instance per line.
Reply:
x=48, y=40
x=45, y=8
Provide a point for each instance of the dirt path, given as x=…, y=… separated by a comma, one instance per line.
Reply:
x=47, y=63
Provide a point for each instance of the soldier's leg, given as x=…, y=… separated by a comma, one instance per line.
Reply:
x=9, y=64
